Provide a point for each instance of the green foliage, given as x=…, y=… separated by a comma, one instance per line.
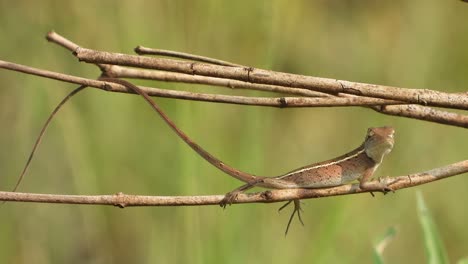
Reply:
x=382, y=243
x=435, y=251
x=434, y=246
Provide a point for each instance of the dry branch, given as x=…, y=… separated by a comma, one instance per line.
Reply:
x=270, y=196
x=123, y=72
x=315, y=92
x=413, y=96
x=244, y=100
x=424, y=113
x=410, y=111
x=140, y=50
x=413, y=111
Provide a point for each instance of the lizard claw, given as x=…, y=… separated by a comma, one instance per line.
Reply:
x=228, y=199
x=231, y=197
x=382, y=187
x=385, y=188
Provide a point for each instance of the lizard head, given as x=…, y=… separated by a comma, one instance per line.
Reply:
x=379, y=142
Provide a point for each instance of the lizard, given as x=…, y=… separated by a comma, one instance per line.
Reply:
x=358, y=164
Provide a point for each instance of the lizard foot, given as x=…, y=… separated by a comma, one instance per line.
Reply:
x=297, y=209
x=385, y=188
x=229, y=198
x=382, y=187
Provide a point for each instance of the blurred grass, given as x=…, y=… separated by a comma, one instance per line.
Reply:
x=106, y=143
x=434, y=246
x=382, y=243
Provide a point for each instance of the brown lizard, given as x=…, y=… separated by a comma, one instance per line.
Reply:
x=359, y=164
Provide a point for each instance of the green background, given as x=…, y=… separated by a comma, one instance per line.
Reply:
x=104, y=143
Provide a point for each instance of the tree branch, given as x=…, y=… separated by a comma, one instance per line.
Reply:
x=258, y=101
x=424, y=113
x=414, y=111
x=269, y=196
x=409, y=111
x=140, y=50
x=413, y=96
x=319, y=92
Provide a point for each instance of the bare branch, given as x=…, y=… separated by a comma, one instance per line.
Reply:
x=61, y=41
x=269, y=196
x=414, y=96
x=424, y=113
x=140, y=50
x=325, y=92
x=124, y=72
x=259, y=101
x=410, y=111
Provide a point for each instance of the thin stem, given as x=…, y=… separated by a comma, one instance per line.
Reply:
x=418, y=112
x=140, y=50
x=124, y=72
x=270, y=196
x=259, y=101
x=409, y=111
x=413, y=96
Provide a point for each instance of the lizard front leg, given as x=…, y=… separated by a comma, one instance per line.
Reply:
x=367, y=176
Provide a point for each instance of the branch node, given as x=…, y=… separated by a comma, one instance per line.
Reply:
x=192, y=70
x=120, y=198
x=75, y=53
x=106, y=70
x=283, y=102
x=137, y=50
x=249, y=70
x=267, y=195
x=106, y=86
x=421, y=101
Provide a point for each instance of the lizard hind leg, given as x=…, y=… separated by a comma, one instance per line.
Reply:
x=297, y=209
x=231, y=196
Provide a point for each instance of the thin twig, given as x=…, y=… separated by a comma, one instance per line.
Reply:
x=410, y=111
x=124, y=72
x=258, y=101
x=384, y=99
x=281, y=102
x=413, y=96
x=62, y=41
x=270, y=196
x=424, y=113
x=140, y=50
